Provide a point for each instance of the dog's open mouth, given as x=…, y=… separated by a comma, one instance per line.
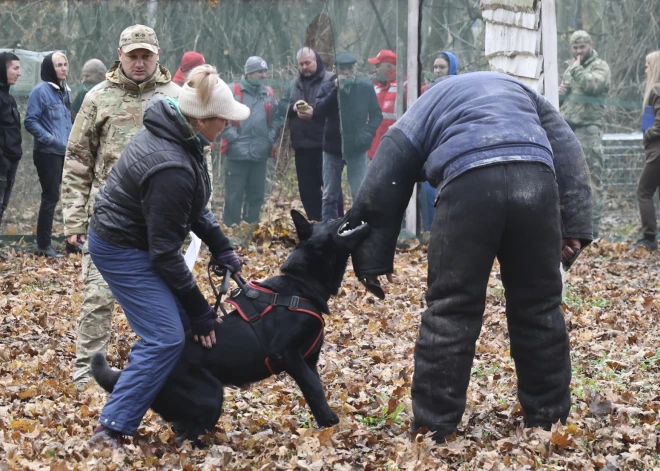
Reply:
x=346, y=229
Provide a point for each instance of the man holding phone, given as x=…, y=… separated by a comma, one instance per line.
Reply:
x=307, y=132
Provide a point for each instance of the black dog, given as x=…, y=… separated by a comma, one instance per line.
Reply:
x=282, y=336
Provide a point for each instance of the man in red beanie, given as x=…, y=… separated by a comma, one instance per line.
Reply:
x=385, y=86
x=189, y=61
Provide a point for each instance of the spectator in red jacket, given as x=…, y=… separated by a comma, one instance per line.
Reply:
x=386, y=87
x=189, y=61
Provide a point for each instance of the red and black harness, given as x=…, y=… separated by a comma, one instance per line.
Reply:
x=253, y=302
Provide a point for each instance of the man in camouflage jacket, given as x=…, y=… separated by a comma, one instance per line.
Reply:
x=582, y=93
x=110, y=116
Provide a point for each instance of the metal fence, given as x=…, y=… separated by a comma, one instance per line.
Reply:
x=623, y=163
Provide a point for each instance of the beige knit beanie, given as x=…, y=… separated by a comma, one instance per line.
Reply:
x=220, y=101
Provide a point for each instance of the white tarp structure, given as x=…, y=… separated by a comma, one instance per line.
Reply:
x=521, y=40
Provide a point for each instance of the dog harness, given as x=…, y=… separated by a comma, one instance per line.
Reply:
x=255, y=301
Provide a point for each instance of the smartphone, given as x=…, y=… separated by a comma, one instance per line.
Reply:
x=302, y=107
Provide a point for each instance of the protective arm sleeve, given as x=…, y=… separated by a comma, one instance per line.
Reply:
x=575, y=198
x=382, y=201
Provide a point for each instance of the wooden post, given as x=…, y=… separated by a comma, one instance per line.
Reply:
x=549, y=41
x=413, y=86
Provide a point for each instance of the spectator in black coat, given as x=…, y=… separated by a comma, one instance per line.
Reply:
x=10, y=130
x=352, y=116
x=307, y=132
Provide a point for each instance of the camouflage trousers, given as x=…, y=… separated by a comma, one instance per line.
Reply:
x=590, y=138
x=95, y=318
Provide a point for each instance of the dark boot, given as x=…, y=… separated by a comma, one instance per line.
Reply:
x=72, y=249
x=647, y=243
x=48, y=252
x=104, y=437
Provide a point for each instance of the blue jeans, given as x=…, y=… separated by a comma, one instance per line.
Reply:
x=427, y=199
x=333, y=165
x=155, y=315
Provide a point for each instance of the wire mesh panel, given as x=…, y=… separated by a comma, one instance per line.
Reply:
x=227, y=33
x=624, y=160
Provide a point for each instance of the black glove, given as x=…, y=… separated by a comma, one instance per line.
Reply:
x=227, y=258
x=203, y=325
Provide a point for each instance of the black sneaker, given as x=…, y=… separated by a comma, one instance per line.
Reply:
x=650, y=245
x=105, y=437
x=72, y=249
x=48, y=252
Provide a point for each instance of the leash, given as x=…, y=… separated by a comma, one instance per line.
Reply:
x=227, y=274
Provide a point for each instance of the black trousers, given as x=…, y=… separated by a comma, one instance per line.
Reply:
x=309, y=170
x=509, y=211
x=49, y=169
x=7, y=178
x=649, y=182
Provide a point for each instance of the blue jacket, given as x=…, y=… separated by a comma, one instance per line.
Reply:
x=453, y=62
x=463, y=127
x=48, y=118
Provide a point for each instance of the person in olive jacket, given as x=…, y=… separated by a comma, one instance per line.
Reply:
x=10, y=130
x=352, y=116
x=156, y=193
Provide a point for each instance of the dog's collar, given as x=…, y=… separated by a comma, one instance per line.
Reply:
x=314, y=285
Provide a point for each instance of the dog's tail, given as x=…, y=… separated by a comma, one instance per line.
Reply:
x=103, y=374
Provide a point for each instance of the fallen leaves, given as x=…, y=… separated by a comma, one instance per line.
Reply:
x=612, y=312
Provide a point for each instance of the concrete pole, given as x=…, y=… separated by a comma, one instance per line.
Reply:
x=413, y=85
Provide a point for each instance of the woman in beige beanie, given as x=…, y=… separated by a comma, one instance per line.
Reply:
x=156, y=193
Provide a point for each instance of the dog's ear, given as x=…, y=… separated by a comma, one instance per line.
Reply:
x=303, y=226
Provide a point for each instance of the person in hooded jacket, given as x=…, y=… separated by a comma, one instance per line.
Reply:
x=49, y=119
x=156, y=193
x=10, y=130
x=444, y=64
x=307, y=132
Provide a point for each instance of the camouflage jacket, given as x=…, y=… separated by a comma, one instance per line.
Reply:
x=587, y=86
x=111, y=114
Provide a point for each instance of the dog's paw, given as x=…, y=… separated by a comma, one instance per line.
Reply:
x=328, y=419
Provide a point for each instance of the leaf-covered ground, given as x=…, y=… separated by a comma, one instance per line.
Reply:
x=612, y=313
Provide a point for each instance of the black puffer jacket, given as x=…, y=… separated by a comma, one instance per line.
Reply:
x=10, y=118
x=156, y=193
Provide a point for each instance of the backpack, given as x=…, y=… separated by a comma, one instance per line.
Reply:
x=268, y=106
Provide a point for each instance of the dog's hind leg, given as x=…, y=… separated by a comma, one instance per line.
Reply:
x=311, y=387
